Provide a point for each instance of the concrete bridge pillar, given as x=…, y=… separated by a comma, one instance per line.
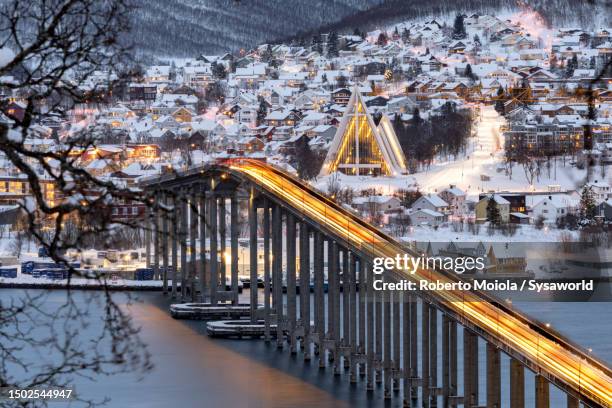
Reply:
x=221, y=202
x=397, y=305
x=193, y=236
x=406, y=347
x=369, y=326
x=344, y=284
x=352, y=293
x=470, y=368
x=319, y=296
x=414, y=351
x=174, y=244
x=202, y=262
x=493, y=377
x=234, y=247
x=305, y=287
x=164, y=244
x=156, y=236
x=291, y=283
x=333, y=304
x=361, y=265
x=425, y=357
x=183, y=244
x=433, y=352
x=214, y=265
x=252, y=254
x=378, y=340
x=542, y=394
x=517, y=384
x=572, y=402
x=277, y=265
x=266, y=255
x=387, y=336
x=147, y=234
x=449, y=360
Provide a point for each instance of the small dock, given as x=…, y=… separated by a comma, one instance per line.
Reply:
x=206, y=311
x=238, y=329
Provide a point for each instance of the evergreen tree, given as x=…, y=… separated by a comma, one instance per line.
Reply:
x=588, y=208
x=262, y=111
x=357, y=32
x=316, y=44
x=332, y=45
x=405, y=35
x=218, y=70
x=493, y=214
x=324, y=78
x=571, y=65
x=469, y=73
x=396, y=34
x=477, y=40
x=499, y=103
x=341, y=81
x=459, y=28
x=382, y=39
x=266, y=55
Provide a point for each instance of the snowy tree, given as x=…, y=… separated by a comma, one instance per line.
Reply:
x=588, y=207
x=571, y=66
x=57, y=49
x=459, y=32
x=316, y=44
x=267, y=55
x=493, y=214
x=262, y=111
x=382, y=39
x=499, y=103
x=406, y=35
x=332, y=45
x=218, y=70
x=469, y=73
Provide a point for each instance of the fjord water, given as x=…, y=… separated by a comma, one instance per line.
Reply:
x=193, y=370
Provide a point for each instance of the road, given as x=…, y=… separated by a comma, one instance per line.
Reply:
x=566, y=362
x=465, y=171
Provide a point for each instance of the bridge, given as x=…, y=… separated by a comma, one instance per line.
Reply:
x=372, y=334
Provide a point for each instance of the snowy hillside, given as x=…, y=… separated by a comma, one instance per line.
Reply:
x=191, y=27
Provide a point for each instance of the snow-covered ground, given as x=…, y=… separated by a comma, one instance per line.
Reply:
x=484, y=156
x=524, y=233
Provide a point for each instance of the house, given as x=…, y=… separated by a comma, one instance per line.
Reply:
x=604, y=210
x=455, y=197
x=519, y=218
x=182, y=115
x=426, y=217
x=250, y=144
x=517, y=201
x=432, y=202
x=402, y=104
x=281, y=118
x=502, y=204
x=379, y=203
x=552, y=207
x=600, y=189
x=506, y=260
x=341, y=96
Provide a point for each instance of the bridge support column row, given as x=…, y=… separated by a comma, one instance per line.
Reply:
x=470, y=368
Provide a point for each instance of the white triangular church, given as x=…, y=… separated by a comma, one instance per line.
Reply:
x=362, y=148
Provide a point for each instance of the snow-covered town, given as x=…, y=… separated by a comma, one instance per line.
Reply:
x=412, y=199
x=488, y=118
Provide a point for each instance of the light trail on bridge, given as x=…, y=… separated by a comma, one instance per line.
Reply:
x=566, y=363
